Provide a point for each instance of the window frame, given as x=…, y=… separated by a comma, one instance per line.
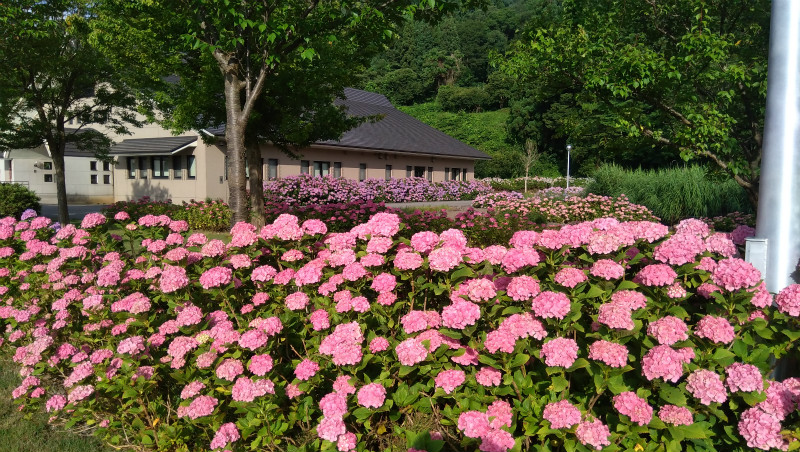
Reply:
x=177, y=167
x=337, y=169
x=272, y=169
x=388, y=173
x=191, y=167
x=163, y=171
x=362, y=172
x=93, y=179
x=142, y=167
x=305, y=167
x=93, y=165
x=106, y=179
x=50, y=176
x=130, y=167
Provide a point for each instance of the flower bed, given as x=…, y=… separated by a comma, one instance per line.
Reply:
x=600, y=335
x=571, y=209
x=307, y=190
x=209, y=215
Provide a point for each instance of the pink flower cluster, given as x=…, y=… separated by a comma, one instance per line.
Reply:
x=633, y=406
x=561, y=414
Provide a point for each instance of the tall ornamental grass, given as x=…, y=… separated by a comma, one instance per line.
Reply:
x=672, y=194
x=603, y=335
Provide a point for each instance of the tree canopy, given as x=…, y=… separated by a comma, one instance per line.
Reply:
x=682, y=77
x=296, y=50
x=53, y=77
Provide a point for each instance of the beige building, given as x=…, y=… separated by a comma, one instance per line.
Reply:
x=154, y=163
x=186, y=168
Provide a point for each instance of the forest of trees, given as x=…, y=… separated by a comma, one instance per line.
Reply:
x=646, y=84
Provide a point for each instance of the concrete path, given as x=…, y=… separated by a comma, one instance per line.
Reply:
x=76, y=211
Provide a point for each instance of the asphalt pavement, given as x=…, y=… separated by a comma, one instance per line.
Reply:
x=76, y=211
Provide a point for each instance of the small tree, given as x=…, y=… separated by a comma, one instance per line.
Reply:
x=54, y=77
x=530, y=158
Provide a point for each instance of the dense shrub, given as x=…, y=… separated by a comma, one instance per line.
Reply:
x=308, y=190
x=535, y=183
x=672, y=194
x=16, y=198
x=458, y=98
x=572, y=209
x=208, y=215
x=606, y=335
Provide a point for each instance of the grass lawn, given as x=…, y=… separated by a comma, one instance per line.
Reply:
x=19, y=434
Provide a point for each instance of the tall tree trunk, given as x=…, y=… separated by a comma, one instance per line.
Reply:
x=57, y=153
x=256, y=169
x=234, y=136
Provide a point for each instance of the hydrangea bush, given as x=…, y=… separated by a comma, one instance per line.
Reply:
x=308, y=190
x=602, y=335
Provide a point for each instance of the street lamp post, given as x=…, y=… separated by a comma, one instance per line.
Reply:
x=566, y=190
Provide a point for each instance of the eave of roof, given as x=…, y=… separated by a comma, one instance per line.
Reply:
x=153, y=146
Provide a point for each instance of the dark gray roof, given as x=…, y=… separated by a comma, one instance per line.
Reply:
x=70, y=149
x=395, y=131
x=151, y=146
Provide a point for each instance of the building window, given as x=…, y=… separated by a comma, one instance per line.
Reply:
x=93, y=165
x=272, y=169
x=408, y=171
x=304, y=165
x=47, y=166
x=447, y=174
x=177, y=167
x=107, y=179
x=106, y=166
x=463, y=174
x=129, y=164
x=48, y=178
x=430, y=174
x=362, y=171
x=419, y=171
x=337, y=169
x=94, y=178
x=142, y=167
x=160, y=167
x=191, y=167
x=388, y=172
x=322, y=169
x=456, y=173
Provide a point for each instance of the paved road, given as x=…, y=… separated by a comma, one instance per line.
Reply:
x=76, y=211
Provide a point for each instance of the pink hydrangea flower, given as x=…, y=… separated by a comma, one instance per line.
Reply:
x=384, y=282
x=320, y=320
x=371, y=395
x=761, y=430
x=192, y=389
x=561, y=414
x=333, y=404
x=616, y=315
x=460, y=314
x=675, y=415
x=496, y=440
x=715, y=329
x=744, y=377
x=344, y=344
x=633, y=406
x=200, y=407
x=215, y=277
x=342, y=385
x=378, y=344
x=260, y=364
x=330, y=428
x=668, y=330
x=449, y=380
x=347, y=442
x=570, y=277
x=306, y=369
x=609, y=353
x=296, y=301
x=662, y=361
x=656, y=275
x=551, y=305
x=593, y=433
x=474, y=424
x=173, y=278
x=607, y=269
x=444, y=259
x=229, y=369
x=226, y=434
x=733, y=274
x=410, y=352
x=488, y=376
x=706, y=386
x=560, y=351
x=788, y=300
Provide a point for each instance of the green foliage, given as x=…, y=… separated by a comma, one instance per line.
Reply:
x=684, y=77
x=16, y=198
x=672, y=194
x=54, y=76
x=401, y=86
x=485, y=131
x=456, y=98
x=208, y=215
